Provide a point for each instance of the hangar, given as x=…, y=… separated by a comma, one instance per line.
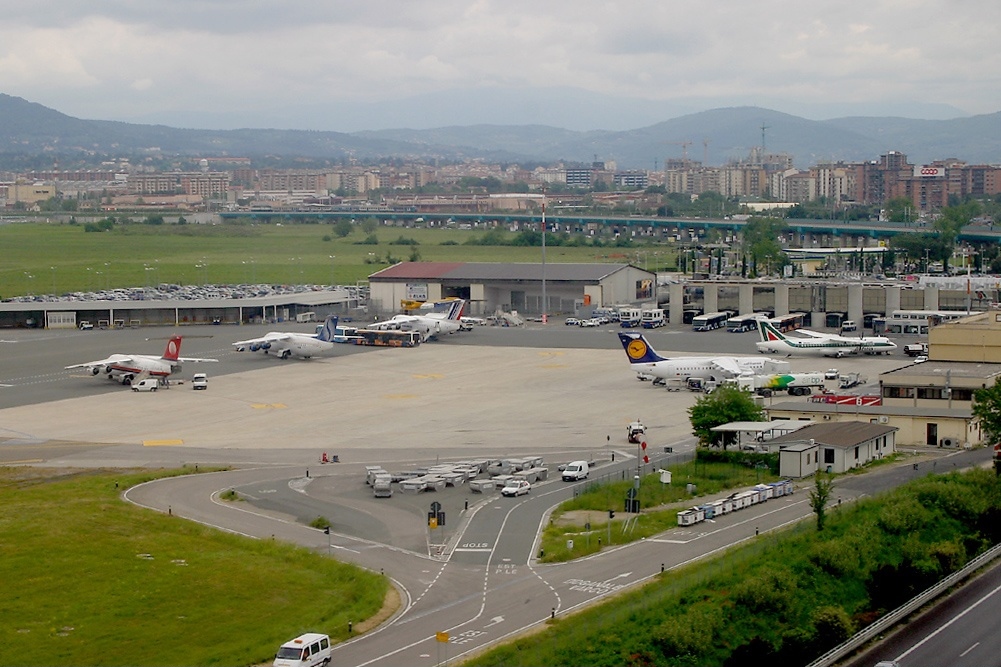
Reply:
x=488, y=287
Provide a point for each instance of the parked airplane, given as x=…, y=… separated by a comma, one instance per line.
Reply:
x=125, y=368
x=430, y=324
x=285, y=344
x=646, y=362
x=817, y=344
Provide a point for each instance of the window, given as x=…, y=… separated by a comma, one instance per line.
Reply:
x=898, y=392
x=856, y=453
x=828, y=455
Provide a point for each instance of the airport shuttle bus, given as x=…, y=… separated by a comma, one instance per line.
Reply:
x=387, y=338
x=710, y=321
x=915, y=321
x=742, y=323
x=788, y=322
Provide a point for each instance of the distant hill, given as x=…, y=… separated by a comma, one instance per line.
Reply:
x=718, y=135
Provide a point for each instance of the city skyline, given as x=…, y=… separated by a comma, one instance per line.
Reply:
x=586, y=65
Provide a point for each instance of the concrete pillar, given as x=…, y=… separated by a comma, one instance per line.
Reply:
x=745, y=298
x=931, y=298
x=781, y=300
x=676, y=308
x=710, y=298
x=855, y=304
x=818, y=318
x=892, y=298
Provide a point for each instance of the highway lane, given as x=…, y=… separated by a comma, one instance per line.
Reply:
x=959, y=631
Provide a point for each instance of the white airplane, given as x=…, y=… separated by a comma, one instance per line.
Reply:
x=648, y=364
x=285, y=344
x=430, y=324
x=125, y=368
x=815, y=344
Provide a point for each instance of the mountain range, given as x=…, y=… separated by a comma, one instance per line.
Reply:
x=715, y=136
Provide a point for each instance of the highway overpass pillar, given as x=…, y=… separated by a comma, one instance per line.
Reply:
x=710, y=299
x=745, y=298
x=781, y=300
x=676, y=308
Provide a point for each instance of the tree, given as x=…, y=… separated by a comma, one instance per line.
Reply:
x=820, y=495
x=343, y=227
x=726, y=404
x=761, y=242
x=987, y=409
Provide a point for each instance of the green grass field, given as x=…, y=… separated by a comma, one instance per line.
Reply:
x=93, y=580
x=56, y=258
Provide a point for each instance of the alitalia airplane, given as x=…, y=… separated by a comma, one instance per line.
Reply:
x=815, y=344
x=125, y=368
x=647, y=363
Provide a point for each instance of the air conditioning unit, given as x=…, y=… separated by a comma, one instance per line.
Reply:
x=827, y=418
x=883, y=419
x=947, y=442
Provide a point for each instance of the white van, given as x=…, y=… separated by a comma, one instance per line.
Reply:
x=146, y=384
x=199, y=381
x=575, y=470
x=306, y=650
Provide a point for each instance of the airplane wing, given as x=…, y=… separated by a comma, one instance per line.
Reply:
x=727, y=365
x=266, y=342
x=100, y=363
x=813, y=334
x=194, y=360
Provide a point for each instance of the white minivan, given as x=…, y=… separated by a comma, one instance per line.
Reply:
x=308, y=650
x=146, y=384
x=575, y=470
x=199, y=381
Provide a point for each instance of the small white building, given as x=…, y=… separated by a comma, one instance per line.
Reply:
x=832, y=447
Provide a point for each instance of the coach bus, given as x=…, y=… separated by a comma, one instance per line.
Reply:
x=742, y=323
x=387, y=338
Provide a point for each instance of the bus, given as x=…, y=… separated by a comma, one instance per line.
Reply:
x=915, y=321
x=711, y=321
x=788, y=322
x=742, y=323
x=387, y=338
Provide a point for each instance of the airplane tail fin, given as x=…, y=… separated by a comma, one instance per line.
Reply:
x=173, y=349
x=768, y=331
x=326, y=333
x=455, y=309
x=638, y=349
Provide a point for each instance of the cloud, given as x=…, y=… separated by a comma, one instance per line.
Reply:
x=251, y=59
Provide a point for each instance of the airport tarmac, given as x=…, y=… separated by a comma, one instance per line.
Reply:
x=555, y=391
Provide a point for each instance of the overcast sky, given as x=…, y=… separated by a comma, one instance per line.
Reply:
x=585, y=64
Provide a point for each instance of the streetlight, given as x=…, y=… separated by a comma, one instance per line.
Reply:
x=545, y=310
x=53, y=280
x=332, y=282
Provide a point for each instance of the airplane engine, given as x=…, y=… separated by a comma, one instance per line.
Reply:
x=254, y=347
x=107, y=370
x=96, y=370
x=265, y=346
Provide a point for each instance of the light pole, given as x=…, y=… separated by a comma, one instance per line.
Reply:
x=53, y=280
x=332, y=281
x=545, y=316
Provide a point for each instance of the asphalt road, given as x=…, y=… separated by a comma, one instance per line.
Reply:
x=555, y=391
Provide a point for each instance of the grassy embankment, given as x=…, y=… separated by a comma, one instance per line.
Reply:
x=58, y=258
x=93, y=580
x=659, y=503
x=783, y=599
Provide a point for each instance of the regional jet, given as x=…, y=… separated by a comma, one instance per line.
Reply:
x=428, y=325
x=285, y=344
x=648, y=364
x=816, y=344
x=125, y=368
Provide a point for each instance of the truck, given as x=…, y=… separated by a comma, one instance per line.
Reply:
x=849, y=380
x=796, y=384
x=915, y=349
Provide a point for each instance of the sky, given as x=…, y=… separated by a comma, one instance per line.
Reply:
x=582, y=65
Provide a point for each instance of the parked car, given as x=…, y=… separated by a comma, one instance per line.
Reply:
x=86, y=326
x=593, y=322
x=572, y=322
x=516, y=487
x=831, y=374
